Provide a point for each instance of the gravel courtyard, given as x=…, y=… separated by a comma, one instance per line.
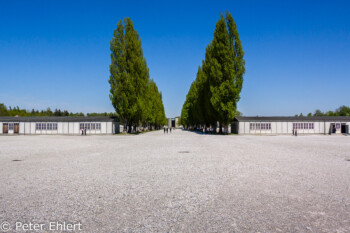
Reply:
x=180, y=182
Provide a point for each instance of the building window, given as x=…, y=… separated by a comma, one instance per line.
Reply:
x=87, y=126
x=252, y=126
x=269, y=126
x=93, y=126
x=258, y=126
x=49, y=126
x=303, y=125
x=98, y=126
x=38, y=126
x=54, y=126
x=10, y=126
x=81, y=126
x=43, y=126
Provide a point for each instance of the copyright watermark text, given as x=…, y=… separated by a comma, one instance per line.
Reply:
x=5, y=226
x=50, y=226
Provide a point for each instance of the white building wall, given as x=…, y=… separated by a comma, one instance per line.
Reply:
x=327, y=127
x=284, y=127
x=317, y=127
x=320, y=127
x=32, y=127
x=27, y=128
x=103, y=127
x=76, y=128
x=70, y=126
x=65, y=128
x=278, y=127
x=240, y=128
x=109, y=127
x=59, y=128
x=21, y=127
x=246, y=127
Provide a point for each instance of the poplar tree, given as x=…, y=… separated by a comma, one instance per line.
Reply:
x=131, y=91
x=220, y=70
x=214, y=94
x=121, y=86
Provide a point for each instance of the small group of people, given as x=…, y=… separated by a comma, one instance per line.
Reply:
x=295, y=132
x=206, y=130
x=166, y=129
x=83, y=131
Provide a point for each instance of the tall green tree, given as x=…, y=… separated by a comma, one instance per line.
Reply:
x=219, y=81
x=132, y=92
x=3, y=110
x=121, y=86
x=156, y=116
x=343, y=111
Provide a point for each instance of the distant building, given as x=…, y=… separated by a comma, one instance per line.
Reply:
x=58, y=125
x=173, y=122
x=286, y=125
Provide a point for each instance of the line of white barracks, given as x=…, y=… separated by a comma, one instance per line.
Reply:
x=110, y=125
x=58, y=125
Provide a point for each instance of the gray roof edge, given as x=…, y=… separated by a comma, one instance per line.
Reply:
x=59, y=119
x=292, y=118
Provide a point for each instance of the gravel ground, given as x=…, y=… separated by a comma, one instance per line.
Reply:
x=181, y=182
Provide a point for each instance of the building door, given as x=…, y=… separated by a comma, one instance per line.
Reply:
x=345, y=129
x=16, y=128
x=332, y=128
x=5, y=128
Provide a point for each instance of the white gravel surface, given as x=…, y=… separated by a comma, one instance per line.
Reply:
x=181, y=182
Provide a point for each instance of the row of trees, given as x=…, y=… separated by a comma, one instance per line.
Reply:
x=341, y=111
x=214, y=94
x=16, y=111
x=134, y=95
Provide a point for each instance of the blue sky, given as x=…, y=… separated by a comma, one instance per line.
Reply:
x=56, y=53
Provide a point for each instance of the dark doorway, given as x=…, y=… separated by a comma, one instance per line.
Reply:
x=5, y=128
x=173, y=123
x=235, y=127
x=332, y=128
x=344, y=128
x=16, y=128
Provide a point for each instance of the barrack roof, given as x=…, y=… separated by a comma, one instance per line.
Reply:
x=291, y=118
x=59, y=119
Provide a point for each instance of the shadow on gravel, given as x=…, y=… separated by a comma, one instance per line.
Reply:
x=201, y=133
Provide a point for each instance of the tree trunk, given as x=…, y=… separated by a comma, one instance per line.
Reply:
x=129, y=128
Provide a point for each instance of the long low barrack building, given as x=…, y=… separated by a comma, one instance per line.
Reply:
x=58, y=125
x=290, y=125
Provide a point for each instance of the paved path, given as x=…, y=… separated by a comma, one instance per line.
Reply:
x=177, y=182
